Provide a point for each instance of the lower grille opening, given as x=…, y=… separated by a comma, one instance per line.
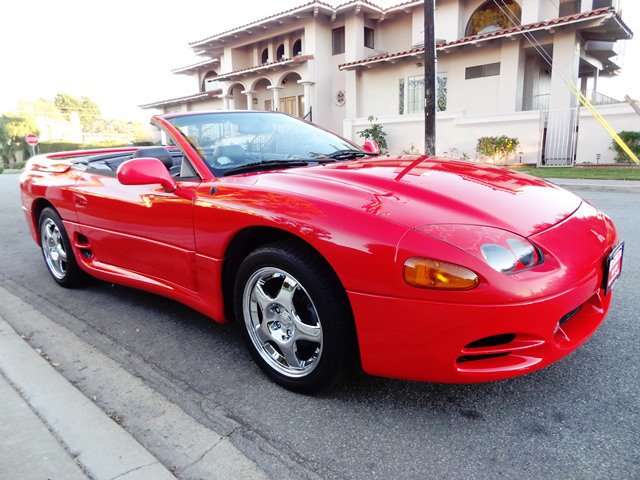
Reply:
x=82, y=239
x=569, y=316
x=86, y=253
x=473, y=358
x=493, y=341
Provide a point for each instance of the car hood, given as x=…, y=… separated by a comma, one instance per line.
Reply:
x=423, y=190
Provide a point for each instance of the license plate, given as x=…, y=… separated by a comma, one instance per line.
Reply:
x=613, y=268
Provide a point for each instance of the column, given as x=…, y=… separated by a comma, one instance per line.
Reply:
x=566, y=62
x=307, y=84
x=251, y=94
x=226, y=101
x=561, y=122
x=586, y=5
x=287, y=48
x=512, y=68
x=275, y=89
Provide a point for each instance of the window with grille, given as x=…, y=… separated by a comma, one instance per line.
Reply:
x=337, y=41
x=413, y=91
x=569, y=7
x=480, y=71
x=369, y=37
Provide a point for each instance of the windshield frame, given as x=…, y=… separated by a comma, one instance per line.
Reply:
x=194, y=150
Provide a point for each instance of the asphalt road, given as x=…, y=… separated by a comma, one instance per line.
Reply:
x=579, y=418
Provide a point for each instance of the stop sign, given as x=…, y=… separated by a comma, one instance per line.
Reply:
x=31, y=139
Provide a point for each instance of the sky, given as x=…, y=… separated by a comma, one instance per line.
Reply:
x=121, y=52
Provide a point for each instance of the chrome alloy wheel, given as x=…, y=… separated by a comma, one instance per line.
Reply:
x=53, y=248
x=282, y=322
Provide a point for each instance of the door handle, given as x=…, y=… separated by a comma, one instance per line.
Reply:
x=80, y=201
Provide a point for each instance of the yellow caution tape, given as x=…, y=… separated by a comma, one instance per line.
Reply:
x=585, y=101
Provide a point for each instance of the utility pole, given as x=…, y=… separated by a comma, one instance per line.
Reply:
x=429, y=78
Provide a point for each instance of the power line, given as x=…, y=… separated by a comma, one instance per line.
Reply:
x=570, y=84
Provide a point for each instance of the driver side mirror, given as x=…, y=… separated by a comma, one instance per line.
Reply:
x=146, y=171
x=371, y=146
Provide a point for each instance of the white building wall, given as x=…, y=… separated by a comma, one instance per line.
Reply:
x=458, y=134
x=593, y=140
x=396, y=34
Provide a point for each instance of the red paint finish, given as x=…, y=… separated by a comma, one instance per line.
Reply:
x=366, y=218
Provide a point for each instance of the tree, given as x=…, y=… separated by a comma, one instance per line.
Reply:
x=13, y=129
x=90, y=111
x=39, y=108
x=85, y=107
x=375, y=132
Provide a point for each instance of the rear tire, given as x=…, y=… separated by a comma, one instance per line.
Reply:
x=294, y=317
x=57, y=251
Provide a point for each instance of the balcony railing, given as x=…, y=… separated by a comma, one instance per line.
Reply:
x=541, y=102
x=598, y=98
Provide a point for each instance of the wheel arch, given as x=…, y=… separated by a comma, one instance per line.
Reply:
x=39, y=204
x=246, y=241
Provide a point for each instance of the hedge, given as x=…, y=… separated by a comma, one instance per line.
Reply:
x=53, y=147
x=632, y=139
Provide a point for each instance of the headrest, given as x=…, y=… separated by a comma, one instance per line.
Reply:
x=160, y=153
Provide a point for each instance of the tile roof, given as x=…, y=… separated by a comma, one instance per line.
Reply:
x=209, y=61
x=601, y=12
x=284, y=12
x=314, y=3
x=197, y=96
x=266, y=66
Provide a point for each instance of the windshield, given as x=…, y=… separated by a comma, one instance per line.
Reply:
x=230, y=140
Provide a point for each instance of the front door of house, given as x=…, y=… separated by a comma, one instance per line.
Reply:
x=289, y=105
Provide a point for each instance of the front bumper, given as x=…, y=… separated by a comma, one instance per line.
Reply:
x=426, y=341
x=508, y=326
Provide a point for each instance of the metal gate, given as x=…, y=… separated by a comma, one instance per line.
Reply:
x=559, y=138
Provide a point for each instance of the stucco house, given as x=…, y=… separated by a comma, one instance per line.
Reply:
x=503, y=68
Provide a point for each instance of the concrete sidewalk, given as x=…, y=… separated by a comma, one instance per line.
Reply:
x=29, y=450
x=624, y=186
x=50, y=430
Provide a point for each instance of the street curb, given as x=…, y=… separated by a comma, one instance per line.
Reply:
x=99, y=445
x=192, y=450
x=595, y=187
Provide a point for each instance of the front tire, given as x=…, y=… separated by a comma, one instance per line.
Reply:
x=56, y=250
x=294, y=317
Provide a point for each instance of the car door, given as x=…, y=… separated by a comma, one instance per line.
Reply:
x=139, y=228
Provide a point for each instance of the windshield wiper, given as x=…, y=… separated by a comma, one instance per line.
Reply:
x=348, y=153
x=265, y=164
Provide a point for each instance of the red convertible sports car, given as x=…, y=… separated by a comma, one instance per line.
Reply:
x=328, y=255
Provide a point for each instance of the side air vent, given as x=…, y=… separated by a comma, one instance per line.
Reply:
x=569, y=316
x=493, y=341
x=472, y=358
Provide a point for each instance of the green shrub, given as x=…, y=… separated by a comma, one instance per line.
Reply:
x=18, y=165
x=497, y=148
x=632, y=139
x=375, y=132
x=1, y=168
x=53, y=147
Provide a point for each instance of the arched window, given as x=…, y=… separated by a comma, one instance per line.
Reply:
x=265, y=55
x=297, y=47
x=206, y=81
x=489, y=17
x=280, y=52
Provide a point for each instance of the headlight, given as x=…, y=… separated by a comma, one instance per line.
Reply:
x=498, y=257
x=436, y=274
x=503, y=251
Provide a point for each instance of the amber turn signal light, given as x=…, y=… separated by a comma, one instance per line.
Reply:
x=428, y=273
